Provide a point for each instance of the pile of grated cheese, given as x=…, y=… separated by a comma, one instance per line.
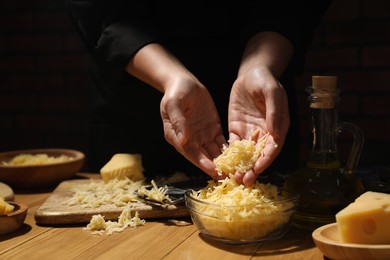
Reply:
x=35, y=159
x=250, y=200
x=239, y=156
x=97, y=193
x=158, y=194
x=98, y=225
x=236, y=212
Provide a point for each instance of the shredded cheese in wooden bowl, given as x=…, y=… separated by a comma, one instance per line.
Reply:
x=36, y=159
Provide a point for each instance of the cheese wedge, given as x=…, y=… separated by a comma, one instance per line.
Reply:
x=5, y=207
x=123, y=166
x=367, y=220
x=373, y=196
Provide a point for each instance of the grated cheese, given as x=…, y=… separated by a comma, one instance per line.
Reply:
x=97, y=193
x=158, y=194
x=98, y=225
x=237, y=212
x=239, y=156
x=5, y=207
x=35, y=159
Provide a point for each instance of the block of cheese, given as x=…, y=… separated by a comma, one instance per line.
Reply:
x=123, y=165
x=373, y=196
x=366, y=220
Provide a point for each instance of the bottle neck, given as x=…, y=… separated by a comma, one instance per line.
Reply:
x=324, y=130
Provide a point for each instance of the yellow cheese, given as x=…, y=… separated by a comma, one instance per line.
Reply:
x=373, y=196
x=5, y=207
x=123, y=165
x=98, y=225
x=36, y=159
x=367, y=220
x=156, y=193
x=242, y=213
x=97, y=193
x=239, y=156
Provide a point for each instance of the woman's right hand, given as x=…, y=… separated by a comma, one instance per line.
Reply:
x=192, y=124
x=190, y=118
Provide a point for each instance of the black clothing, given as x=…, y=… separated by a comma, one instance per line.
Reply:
x=208, y=38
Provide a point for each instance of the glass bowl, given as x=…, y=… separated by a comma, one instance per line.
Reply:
x=242, y=224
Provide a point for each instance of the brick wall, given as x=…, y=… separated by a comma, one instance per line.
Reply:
x=44, y=77
x=353, y=42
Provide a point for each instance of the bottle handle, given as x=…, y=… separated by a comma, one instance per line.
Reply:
x=357, y=145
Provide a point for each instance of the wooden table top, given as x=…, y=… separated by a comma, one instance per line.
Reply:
x=157, y=239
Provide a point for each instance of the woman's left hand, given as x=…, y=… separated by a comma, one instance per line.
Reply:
x=258, y=102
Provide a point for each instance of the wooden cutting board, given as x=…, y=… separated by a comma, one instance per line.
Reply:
x=54, y=210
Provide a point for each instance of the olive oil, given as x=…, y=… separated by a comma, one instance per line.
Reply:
x=324, y=185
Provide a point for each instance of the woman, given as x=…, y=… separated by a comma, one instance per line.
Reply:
x=209, y=71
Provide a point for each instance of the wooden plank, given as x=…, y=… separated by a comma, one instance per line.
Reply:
x=199, y=247
x=296, y=244
x=152, y=241
x=28, y=231
x=55, y=211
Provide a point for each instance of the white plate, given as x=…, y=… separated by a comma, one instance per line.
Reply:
x=327, y=240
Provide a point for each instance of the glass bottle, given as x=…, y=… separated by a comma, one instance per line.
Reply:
x=324, y=185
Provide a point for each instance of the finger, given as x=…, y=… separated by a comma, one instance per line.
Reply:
x=213, y=150
x=270, y=152
x=208, y=167
x=249, y=178
x=175, y=125
x=201, y=158
x=238, y=177
x=221, y=141
x=277, y=107
x=233, y=137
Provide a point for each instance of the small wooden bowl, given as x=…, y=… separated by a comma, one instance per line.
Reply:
x=40, y=176
x=327, y=240
x=14, y=220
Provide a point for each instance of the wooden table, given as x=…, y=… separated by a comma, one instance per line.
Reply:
x=157, y=239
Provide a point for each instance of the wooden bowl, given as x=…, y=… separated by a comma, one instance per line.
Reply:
x=14, y=220
x=40, y=176
x=327, y=240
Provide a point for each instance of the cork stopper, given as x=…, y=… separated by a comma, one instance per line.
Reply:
x=324, y=91
x=324, y=82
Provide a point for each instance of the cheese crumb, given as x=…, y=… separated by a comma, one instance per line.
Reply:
x=99, y=226
x=158, y=194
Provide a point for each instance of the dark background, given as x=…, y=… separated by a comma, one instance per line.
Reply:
x=44, y=75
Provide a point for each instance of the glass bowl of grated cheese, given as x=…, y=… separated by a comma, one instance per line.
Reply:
x=234, y=214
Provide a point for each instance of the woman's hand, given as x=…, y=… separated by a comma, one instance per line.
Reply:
x=191, y=123
x=258, y=101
